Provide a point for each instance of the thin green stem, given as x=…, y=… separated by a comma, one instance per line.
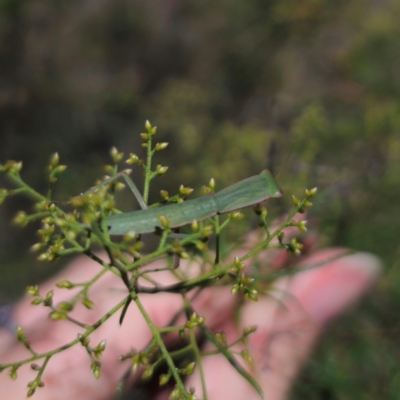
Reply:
x=161, y=345
x=51, y=353
x=148, y=174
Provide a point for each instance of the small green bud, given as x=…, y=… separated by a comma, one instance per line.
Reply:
x=147, y=125
x=20, y=334
x=311, y=192
x=130, y=236
x=31, y=392
x=201, y=246
x=259, y=209
x=32, y=290
x=295, y=200
x=236, y=215
x=206, y=190
x=175, y=394
x=164, y=221
x=13, y=373
x=221, y=337
x=64, y=284
x=148, y=372
x=35, y=367
x=70, y=236
x=13, y=167
x=37, y=301
x=235, y=288
x=88, y=303
x=185, y=191
x=144, y=136
x=307, y=204
x=65, y=306
x=195, y=226
x=33, y=384
x=98, y=350
x=189, y=369
x=21, y=218
x=164, y=379
x=101, y=346
x=54, y=160
x=239, y=266
x=96, y=368
x=251, y=294
x=58, y=315
x=133, y=159
x=3, y=195
x=207, y=231
x=161, y=146
x=84, y=340
x=60, y=168
x=211, y=184
x=249, y=329
x=164, y=194
x=302, y=226
x=44, y=257
x=49, y=295
x=184, y=255
x=246, y=356
x=161, y=170
x=115, y=155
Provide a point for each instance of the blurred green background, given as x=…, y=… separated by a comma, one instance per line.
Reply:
x=307, y=88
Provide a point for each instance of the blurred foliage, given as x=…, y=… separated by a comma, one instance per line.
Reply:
x=308, y=88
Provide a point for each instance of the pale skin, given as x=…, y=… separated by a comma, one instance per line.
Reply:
x=285, y=337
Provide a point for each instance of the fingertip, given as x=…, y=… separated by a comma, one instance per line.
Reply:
x=326, y=290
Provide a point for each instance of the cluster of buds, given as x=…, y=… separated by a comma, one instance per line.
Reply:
x=95, y=353
x=12, y=167
x=33, y=385
x=147, y=143
x=188, y=370
x=300, y=224
x=293, y=247
x=177, y=394
x=221, y=338
x=55, y=168
x=194, y=321
x=306, y=203
x=244, y=283
x=141, y=359
x=210, y=188
x=133, y=244
x=179, y=251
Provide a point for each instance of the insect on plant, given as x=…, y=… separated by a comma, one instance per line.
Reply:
x=242, y=194
x=91, y=219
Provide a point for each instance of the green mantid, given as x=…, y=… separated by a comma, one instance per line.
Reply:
x=242, y=194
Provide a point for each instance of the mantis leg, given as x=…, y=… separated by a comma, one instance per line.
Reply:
x=129, y=182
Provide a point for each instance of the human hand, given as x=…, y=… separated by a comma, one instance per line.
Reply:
x=289, y=322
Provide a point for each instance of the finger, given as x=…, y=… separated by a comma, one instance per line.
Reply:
x=288, y=329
